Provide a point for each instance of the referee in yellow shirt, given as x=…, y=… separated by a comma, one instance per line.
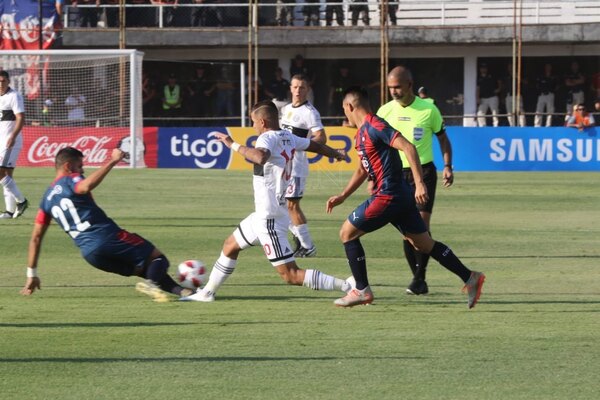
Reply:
x=418, y=120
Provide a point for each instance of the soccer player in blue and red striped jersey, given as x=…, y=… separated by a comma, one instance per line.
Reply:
x=103, y=244
x=392, y=200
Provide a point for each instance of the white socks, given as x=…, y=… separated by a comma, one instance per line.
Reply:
x=223, y=267
x=9, y=200
x=317, y=280
x=11, y=189
x=301, y=232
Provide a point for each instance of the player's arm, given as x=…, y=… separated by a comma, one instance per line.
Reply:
x=96, y=177
x=255, y=155
x=319, y=136
x=323, y=149
x=35, y=245
x=410, y=151
x=357, y=179
x=19, y=122
x=446, y=149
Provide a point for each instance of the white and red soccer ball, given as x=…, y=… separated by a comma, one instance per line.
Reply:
x=191, y=274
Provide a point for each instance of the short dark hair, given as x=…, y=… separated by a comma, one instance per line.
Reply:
x=68, y=154
x=4, y=74
x=300, y=77
x=360, y=95
x=266, y=109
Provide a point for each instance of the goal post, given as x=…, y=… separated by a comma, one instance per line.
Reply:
x=89, y=99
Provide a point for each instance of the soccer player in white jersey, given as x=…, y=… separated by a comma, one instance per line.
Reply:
x=12, y=119
x=267, y=226
x=302, y=119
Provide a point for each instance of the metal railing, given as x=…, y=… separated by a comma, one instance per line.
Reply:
x=406, y=12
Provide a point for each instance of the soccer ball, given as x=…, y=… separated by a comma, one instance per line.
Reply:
x=191, y=274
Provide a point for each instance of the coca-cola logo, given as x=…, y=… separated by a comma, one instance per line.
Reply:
x=94, y=149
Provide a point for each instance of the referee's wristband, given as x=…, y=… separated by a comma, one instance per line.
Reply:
x=31, y=272
x=235, y=146
x=448, y=166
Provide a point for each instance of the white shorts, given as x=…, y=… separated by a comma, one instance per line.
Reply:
x=8, y=157
x=270, y=233
x=295, y=189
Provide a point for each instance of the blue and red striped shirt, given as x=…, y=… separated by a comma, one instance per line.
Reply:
x=77, y=214
x=373, y=143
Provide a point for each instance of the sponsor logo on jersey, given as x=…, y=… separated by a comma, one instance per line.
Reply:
x=55, y=191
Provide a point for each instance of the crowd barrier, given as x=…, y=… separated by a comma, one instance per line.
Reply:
x=475, y=149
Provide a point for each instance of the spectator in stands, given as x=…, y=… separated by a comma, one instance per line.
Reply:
x=488, y=88
x=278, y=90
x=75, y=104
x=299, y=67
x=311, y=12
x=357, y=9
x=423, y=93
x=47, y=113
x=225, y=96
x=150, y=98
x=140, y=16
x=575, y=84
x=507, y=85
x=341, y=81
x=546, y=86
x=172, y=100
x=336, y=9
x=206, y=16
x=112, y=13
x=595, y=88
x=199, y=93
x=580, y=118
x=285, y=12
x=392, y=9
x=88, y=16
x=169, y=9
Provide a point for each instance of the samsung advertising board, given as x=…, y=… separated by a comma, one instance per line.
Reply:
x=523, y=149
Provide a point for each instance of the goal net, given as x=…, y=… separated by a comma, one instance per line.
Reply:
x=87, y=99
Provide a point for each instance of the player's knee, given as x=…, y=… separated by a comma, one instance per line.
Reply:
x=346, y=234
x=423, y=244
x=291, y=275
x=293, y=205
x=231, y=247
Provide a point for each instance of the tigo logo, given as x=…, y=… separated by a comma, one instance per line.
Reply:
x=192, y=148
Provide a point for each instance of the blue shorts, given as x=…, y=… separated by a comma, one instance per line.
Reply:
x=381, y=210
x=124, y=254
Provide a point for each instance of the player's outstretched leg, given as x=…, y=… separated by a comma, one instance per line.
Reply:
x=159, y=285
x=222, y=270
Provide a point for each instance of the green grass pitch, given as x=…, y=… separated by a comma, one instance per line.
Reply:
x=534, y=334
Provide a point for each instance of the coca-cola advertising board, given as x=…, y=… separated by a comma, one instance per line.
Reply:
x=40, y=144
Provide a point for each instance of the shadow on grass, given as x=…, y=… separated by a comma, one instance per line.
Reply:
x=95, y=360
x=491, y=257
x=61, y=325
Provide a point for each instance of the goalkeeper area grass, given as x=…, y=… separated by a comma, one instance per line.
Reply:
x=534, y=334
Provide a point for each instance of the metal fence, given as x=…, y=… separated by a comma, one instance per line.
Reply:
x=233, y=13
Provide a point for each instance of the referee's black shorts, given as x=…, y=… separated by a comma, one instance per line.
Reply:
x=430, y=179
